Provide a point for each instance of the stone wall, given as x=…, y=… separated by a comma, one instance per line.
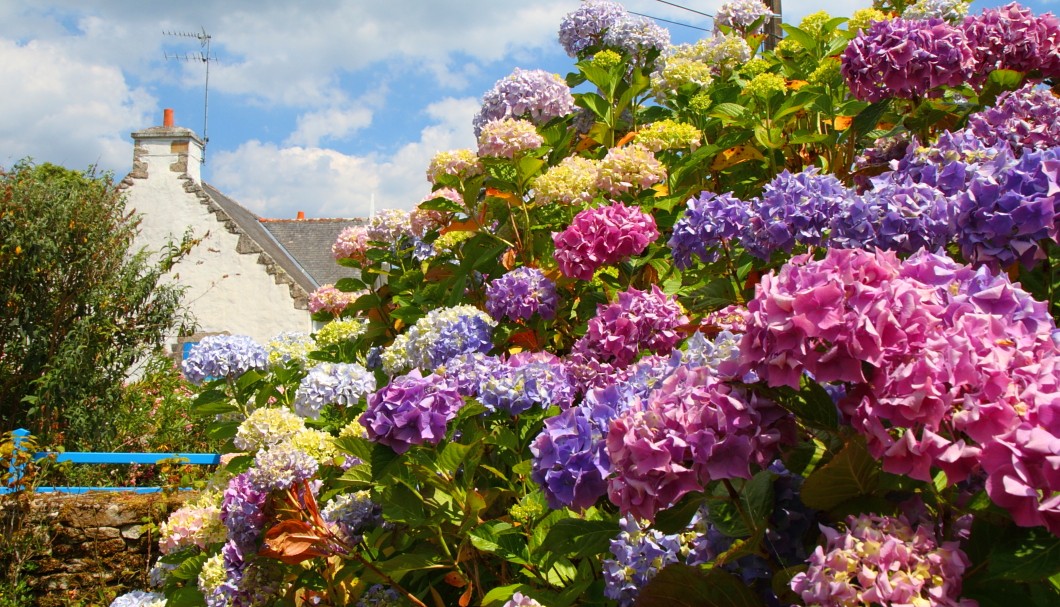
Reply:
x=90, y=546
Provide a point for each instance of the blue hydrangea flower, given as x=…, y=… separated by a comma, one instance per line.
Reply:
x=516, y=388
x=793, y=209
x=535, y=95
x=740, y=14
x=585, y=27
x=219, y=356
x=447, y=332
x=465, y=371
x=332, y=383
x=280, y=467
x=520, y=294
x=901, y=216
x=352, y=514
x=639, y=554
x=711, y=220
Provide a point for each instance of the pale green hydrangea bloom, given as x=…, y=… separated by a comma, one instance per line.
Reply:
x=606, y=59
x=341, y=331
x=266, y=427
x=669, y=135
x=572, y=181
x=765, y=86
x=212, y=574
x=287, y=346
x=755, y=67
x=319, y=445
x=863, y=18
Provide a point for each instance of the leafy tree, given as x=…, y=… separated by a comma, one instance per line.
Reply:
x=80, y=306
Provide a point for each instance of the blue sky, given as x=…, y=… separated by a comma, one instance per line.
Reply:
x=315, y=106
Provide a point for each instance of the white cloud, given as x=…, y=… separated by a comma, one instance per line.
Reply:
x=66, y=110
x=332, y=124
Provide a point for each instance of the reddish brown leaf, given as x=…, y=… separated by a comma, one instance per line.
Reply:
x=455, y=578
x=465, y=599
x=292, y=542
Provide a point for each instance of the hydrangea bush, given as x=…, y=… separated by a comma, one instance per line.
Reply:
x=700, y=324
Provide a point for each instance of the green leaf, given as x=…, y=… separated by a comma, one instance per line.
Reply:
x=868, y=118
x=356, y=446
x=595, y=104
x=675, y=518
x=213, y=408
x=349, y=285
x=451, y=457
x=400, y=504
x=188, y=596
x=679, y=585
x=411, y=561
x=1025, y=555
x=575, y=537
x=501, y=594
x=807, y=41
x=852, y=473
x=814, y=405
x=441, y=204
x=222, y=430
x=727, y=110
x=189, y=569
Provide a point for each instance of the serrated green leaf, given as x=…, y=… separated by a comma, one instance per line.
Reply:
x=400, y=504
x=575, y=537
x=807, y=41
x=190, y=568
x=1025, y=555
x=679, y=585
x=188, y=596
x=852, y=473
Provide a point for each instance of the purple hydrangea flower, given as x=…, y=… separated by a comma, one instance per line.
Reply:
x=219, y=356
x=637, y=36
x=352, y=514
x=411, y=410
x=878, y=158
x=332, y=383
x=793, y=209
x=639, y=554
x=280, y=467
x=740, y=14
x=521, y=600
x=466, y=370
x=586, y=26
x=602, y=236
x=1009, y=207
x=899, y=216
x=906, y=58
x=570, y=455
x=639, y=320
x=1024, y=118
x=520, y=294
x=1012, y=37
x=242, y=511
x=249, y=581
x=515, y=388
x=711, y=220
x=536, y=95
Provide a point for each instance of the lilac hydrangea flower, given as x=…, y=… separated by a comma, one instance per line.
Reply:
x=351, y=514
x=332, y=384
x=639, y=320
x=390, y=226
x=219, y=356
x=521, y=600
x=711, y=220
x=639, y=554
x=637, y=36
x=520, y=294
x=793, y=209
x=740, y=14
x=602, y=236
x=411, y=410
x=515, y=388
x=906, y=58
x=586, y=26
x=280, y=467
x=249, y=581
x=242, y=511
x=1009, y=208
x=1024, y=118
x=536, y=95
x=466, y=370
x=570, y=456
x=439, y=336
x=899, y=216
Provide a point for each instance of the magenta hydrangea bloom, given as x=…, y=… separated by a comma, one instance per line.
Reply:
x=601, y=236
x=411, y=410
x=1013, y=38
x=536, y=95
x=639, y=320
x=520, y=294
x=1023, y=476
x=1024, y=118
x=883, y=561
x=691, y=430
x=585, y=27
x=906, y=58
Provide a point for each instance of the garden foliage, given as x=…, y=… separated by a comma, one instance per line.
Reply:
x=704, y=324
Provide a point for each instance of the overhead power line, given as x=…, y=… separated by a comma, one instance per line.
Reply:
x=685, y=8
x=695, y=27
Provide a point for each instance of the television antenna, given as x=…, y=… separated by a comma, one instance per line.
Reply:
x=206, y=58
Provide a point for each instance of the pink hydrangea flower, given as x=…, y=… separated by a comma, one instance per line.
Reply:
x=602, y=236
x=508, y=137
x=352, y=243
x=639, y=320
x=329, y=299
x=629, y=168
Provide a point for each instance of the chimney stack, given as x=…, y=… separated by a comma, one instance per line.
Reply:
x=166, y=150
x=301, y=214
x=167, y=117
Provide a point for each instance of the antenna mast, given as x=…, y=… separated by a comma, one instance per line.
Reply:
x=205, y=57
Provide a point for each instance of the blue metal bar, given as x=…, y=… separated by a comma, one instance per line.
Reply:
x=85, y=457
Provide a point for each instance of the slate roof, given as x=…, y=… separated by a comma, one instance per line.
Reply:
x=302, y=247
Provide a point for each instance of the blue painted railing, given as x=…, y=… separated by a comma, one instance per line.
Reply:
x=85, y=457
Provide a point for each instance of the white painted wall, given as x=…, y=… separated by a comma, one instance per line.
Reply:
x=226, y=290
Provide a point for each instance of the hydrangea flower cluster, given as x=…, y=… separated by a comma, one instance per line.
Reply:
x=439, y=336
x=901, y=216
x=342, y=330
x=521, y=600
x=249, y=580
x=586, y=26
x=678, y=67
x=1024, y=118
x=508, y=137
x=327, y=298
x=351, y=514
x=741, y=14
x=536, y=95
x=379, y=595
x=332, y=384
x=217, y=356
x=139, y=598
x=243, y=512
x=953, y=11
x=517, y=386
x=880, y=62
x=520, y=294
x=465, y=370
x=883, y=561
x=570, y=463
x=629, y=168
x=863, y=18
x=637, y=36
x=352, y=243
x=793, y=209
x=669, y=134
x=710, y=221
x=266, y=427
x=280, y=467
x=288, y=346
x=460, y=164
x=639, y=320
x=602, y=236
x=411, y=410
x=639, y=552
x=1012, y=37
x=572, y=181
x=191, y=526
x=691, y=430
x=765, y=85
x=389, y=226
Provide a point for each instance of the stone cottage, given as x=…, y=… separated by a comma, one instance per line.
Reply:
x=245, y=274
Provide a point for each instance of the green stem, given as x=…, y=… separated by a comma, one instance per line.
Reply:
x=734, y=495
